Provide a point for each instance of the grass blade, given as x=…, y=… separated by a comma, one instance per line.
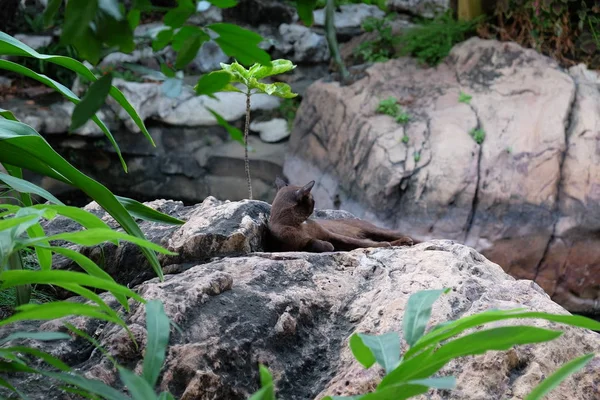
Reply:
x=138, y=387
x=141, y=211
x=417, y=314
x=551, y=382
x=42, y=336
x=157, y=326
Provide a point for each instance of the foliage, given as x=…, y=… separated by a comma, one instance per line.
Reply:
x=464, y=98
x=478, y=135
x=431, y=41
x=229, y=74
x=417, y=156
x=412, y=373
x=567, y=30
x=381, y=48
x=288, y=109
x=391, y=107
x=53, y=71
x=382, y=4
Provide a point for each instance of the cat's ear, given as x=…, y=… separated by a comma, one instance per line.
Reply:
x=305, y=190
x=280, y=183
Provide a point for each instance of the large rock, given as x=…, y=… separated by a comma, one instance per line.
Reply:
x=424, y=8
x=503, y=197
x=294, y=312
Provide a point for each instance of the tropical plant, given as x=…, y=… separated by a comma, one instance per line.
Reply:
x=229, y=74
x=412, y=373
x=381, y=48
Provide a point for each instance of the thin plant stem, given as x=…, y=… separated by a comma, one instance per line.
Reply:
x=246, y=160
x=332, y=39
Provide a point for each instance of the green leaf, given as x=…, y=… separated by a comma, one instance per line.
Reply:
x=55, y=362
x=167, y=71
x=21, y=146
x=78, y=15
x=23, y=186
x=501, y=338
x=91, y=385
x=361, y=352
x=157, y=326
x=266, y=381
x=137, y=386
x=93, y=341
x=133, y=18
x=212, y=83
x=111, y=7
x=224, y=3
x=55, y=277
x=41, y=336
x=58, y=309
x=551, y=382
x=79, y=215
x=454, y=328
x=443, y=383
x=162, y=39
x=92, y=237
x=44, y=256
x=11, y=46
x=385, y=348
x=94, y=98
x=240, y=43
x=7, y=114
x=8, y=65
x=146, y=213
x=278, y=89
x=188, y=51
x=417, y=313
x=176, y=17
x=234, y=132
x=16, y=221
x=50, y=11
x=166, y=396
x=185, y=33
x=305, y=10
x=277, y=67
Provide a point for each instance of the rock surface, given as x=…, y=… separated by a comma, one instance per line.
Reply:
x=425, y=8
x=294, y=312
x=525, y=197
x=271, y=131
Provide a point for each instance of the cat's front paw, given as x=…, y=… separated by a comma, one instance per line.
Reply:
x=320, y=246
x=403, y=241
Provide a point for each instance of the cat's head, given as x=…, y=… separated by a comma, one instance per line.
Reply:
x=293, y=203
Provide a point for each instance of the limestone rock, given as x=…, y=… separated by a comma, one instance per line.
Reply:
x=34, y=41
x=271, y=131
x=424, y=8
x=300, y=44
x=501, y=197
x=294, y=312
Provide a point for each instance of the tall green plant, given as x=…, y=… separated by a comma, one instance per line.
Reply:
x=250, y=78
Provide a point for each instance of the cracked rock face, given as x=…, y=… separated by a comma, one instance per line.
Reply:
x=295, y=312
x=526, y=197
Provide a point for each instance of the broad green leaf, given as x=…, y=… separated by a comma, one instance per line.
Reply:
x=417, y=313
x=21, y=185
x=92, y=101
x=41, y=336
x=162, y=39
x=176, y=17
x=11, y=46
x=167, y=71
x=23, y=147
x=305, y=10
x=551, y=382
x=91, y=385
x=78, y=15
x=501, y=338
x=454, y=328
x=185, y=33
x=55, y=277
x=137, y=386
x=142, y=211
x=385, y=348
x=212, y=83
x=240, y=43
x=50, y=11
x=157, y=326
x=278, y=89
x=362, y=353
x=55, y=362
x=133, y=17
x=188, y=51
x=8, y=65
x=58, y=309
x=234, y=132
x=7, y=114
x=280, y=66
